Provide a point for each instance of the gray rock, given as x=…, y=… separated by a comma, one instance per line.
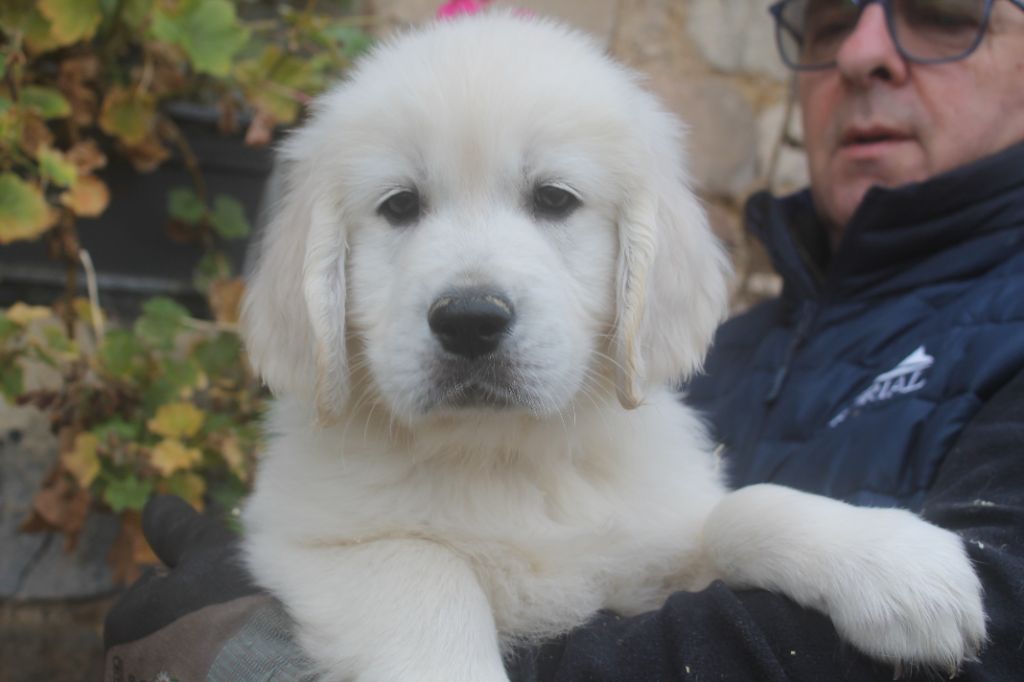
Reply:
x=52, y=640
x=722, y=140
x=595, y=16
x=35, y=565
x=790, y=170
x=51, y=613
x=736, y=36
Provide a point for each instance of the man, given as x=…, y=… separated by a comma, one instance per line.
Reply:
x=882, y=375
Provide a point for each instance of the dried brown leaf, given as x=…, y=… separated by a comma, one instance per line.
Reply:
x=261, y=129
x=88, y=198
x=130, y=551
x=227, y=122
x=35, y=134
x=87, y=156
x=226, y=299
x=59, y=506
x=147, y=155
x=73, y=80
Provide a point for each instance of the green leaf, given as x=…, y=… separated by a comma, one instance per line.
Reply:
x=134, y=13
x=207, y=30
x=47, y=102
x=128, y=114
x=213, y=265
x=160, y=322
x=7, y=328
x=180, y=373
x=11, y=127
x=56, y=168
x=159, y=392
x=216, y=421
x=24, y=213
x=123, y=355
x=23, y=16
x=58, y=341
x=187, y=485
x=229, y=219
x=43, y=356
x=220, y=355
x=12, y=380
x=72, y=20
x=116, y=429
x=127, y=492
x=273, y=82
x=353, y=41
x=184, y=204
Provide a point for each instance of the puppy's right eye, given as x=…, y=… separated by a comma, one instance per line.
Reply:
x=401, y=208
x=554, y=202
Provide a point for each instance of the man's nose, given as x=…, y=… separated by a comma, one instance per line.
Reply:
x=869, y=53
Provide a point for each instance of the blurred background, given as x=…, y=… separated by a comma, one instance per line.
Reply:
x=136, y=143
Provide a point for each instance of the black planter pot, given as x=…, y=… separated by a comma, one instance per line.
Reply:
x=133, y=255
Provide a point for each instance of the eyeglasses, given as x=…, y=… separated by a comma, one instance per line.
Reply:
x=810, y=32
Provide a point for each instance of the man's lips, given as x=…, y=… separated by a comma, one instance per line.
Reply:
x=871, y=141
x=872, y=135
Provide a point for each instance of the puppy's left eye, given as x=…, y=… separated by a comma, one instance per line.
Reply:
x=554, y=202
x=401, y=208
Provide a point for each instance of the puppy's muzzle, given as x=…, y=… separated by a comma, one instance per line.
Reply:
x=471, y=323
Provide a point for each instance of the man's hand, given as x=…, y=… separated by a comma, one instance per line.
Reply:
x=202, y=618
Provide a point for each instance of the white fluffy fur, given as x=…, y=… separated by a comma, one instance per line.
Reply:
x=413, y=540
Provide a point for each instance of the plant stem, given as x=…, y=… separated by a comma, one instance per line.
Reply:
x=191, y=161
x=67, y=237
x=95, y=312
x=171, y=131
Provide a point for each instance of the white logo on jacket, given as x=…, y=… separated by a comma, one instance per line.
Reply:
x=906, y=377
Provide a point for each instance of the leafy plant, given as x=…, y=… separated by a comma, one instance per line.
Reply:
x=166, y=406
x=81, y=79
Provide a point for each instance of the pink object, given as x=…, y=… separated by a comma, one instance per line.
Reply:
x=454, y=8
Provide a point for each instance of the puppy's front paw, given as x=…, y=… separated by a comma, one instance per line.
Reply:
x=912, y=598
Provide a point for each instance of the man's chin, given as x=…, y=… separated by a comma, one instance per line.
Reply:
x=851, y=180
x=886, y=163
x=837, y=206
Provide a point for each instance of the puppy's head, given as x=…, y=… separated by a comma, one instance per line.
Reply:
x=489, y=214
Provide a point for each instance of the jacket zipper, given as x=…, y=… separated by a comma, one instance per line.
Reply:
x=807, y=313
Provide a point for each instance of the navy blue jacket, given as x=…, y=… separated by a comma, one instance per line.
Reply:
x=855, y=382
x=889, y=373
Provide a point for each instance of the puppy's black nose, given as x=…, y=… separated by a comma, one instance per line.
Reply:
x=470, y=322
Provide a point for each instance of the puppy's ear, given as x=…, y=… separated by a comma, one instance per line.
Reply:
x=293, y=313
x=672, y=279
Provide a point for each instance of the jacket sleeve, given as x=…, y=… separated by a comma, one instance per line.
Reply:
x=720, y=634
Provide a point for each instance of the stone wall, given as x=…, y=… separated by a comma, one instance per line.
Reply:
x=713, y=62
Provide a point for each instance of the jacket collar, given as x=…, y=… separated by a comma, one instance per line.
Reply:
x=900, y=237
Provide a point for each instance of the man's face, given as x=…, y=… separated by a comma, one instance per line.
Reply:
x=877, y=119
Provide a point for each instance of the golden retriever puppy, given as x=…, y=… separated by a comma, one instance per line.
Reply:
x=486, y=271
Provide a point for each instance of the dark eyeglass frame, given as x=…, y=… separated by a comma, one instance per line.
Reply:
x=777, y=10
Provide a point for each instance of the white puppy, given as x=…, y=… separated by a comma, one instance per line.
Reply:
x=486, y=269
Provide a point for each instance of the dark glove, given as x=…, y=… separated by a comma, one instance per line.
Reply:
x=202, y=618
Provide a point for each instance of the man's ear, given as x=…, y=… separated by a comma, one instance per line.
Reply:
x=293, y=312
x=672, y=276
